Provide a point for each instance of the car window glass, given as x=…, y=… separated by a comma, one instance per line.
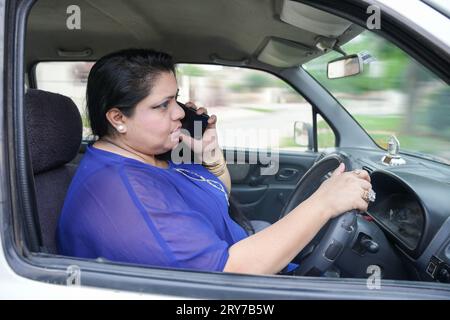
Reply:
x=69, y=79
x=325, y=135
x=255, y=109
x=394, y=95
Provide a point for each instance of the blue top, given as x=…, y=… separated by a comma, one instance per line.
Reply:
x=124, y=210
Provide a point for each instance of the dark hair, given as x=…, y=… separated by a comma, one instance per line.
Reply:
x=121, y=79
x=239, y=217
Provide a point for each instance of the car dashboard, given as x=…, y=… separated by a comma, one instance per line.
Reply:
x=398, y=210
x=412, y=208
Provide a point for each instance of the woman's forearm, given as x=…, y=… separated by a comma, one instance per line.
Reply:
x=226, y=179
x=220, y=170
x=270, y=250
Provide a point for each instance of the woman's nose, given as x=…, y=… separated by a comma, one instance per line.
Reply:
x=178, y=113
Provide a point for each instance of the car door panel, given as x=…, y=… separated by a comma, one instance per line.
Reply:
x=262, y=197
x=245, y=195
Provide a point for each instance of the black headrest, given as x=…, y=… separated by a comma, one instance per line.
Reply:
x=54, y=129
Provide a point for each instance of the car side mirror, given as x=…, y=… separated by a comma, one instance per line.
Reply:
x=303, y=134
x=345, y=66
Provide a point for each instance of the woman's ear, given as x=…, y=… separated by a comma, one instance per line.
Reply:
x=117, y=119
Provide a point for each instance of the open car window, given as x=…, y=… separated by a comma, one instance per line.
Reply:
x=255, y=108
x=241, y=98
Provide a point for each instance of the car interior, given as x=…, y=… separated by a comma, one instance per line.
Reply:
x=406, y=230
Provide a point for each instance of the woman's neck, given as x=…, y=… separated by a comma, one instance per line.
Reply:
x=119, y=147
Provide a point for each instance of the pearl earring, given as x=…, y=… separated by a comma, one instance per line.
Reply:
x=120, y=128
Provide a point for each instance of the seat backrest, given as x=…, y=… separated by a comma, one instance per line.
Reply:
x=54, y=132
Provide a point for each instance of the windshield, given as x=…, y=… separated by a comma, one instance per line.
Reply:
x=394, y=95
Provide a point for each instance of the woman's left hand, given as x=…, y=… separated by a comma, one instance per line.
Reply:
x=208, y=146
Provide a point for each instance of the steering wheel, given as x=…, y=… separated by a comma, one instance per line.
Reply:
x=320, y=254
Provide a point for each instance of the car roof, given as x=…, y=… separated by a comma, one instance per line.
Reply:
x=247, y=32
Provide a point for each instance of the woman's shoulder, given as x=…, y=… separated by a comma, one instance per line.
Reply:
x=101, y=168
x=107, y=178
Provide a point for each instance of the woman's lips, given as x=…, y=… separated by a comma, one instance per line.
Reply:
x=175, y=135
x=177, y=129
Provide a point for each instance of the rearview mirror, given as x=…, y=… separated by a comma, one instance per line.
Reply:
x=345, y=67
x=303, y=134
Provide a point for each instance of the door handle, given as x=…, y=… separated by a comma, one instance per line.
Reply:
x=287, y=174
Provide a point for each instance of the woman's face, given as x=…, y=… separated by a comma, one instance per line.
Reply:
x=154, y=127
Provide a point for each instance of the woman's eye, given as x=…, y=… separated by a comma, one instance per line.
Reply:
x=163, y=105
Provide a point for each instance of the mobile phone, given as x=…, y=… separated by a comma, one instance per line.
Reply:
x=192, y=119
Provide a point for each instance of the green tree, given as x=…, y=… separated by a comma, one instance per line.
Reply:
x=257, y=81
x=191, y=70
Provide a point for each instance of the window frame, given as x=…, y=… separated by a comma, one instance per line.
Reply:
x=53, y=269
x=119, y=276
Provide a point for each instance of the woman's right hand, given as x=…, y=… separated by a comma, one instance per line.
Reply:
x=343, y=191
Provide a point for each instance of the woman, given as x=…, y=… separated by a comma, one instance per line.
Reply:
x=126, y=203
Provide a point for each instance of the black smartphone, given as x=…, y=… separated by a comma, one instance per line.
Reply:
x=191, y=119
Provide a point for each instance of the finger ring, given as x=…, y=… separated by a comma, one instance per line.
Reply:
x=365, y=196
x=372, y=195
x=369, y=196
x=357, y=172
